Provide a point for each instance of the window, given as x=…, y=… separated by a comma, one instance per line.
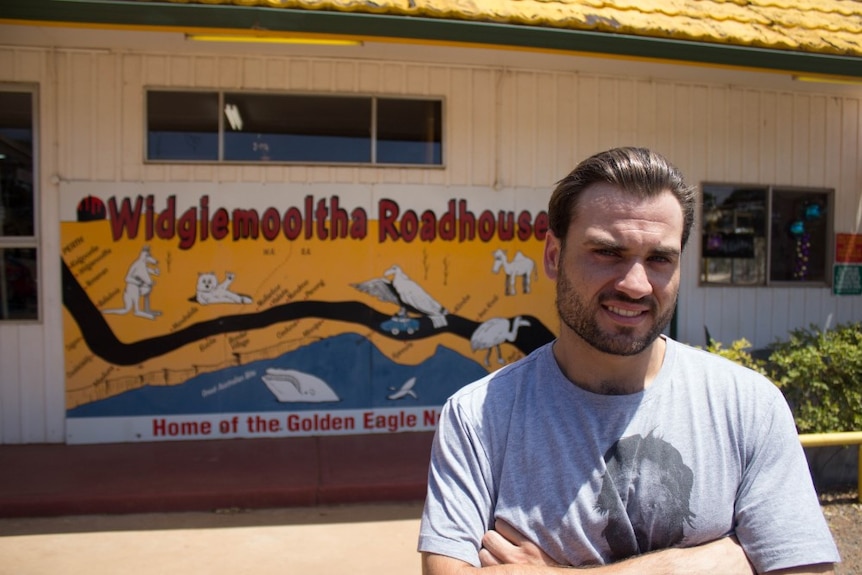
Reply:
x=256, y=127
x=19, y=270
x=760, y=235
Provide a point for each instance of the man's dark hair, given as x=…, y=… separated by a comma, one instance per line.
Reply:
x=638, y=171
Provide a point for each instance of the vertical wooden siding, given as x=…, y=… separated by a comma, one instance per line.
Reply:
x=32, y=398
x=504, y=128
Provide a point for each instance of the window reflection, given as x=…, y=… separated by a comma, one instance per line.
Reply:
x=279, y=128
x=799, y=236
x=409, y=131
x=259, y=127
x=182, y=126
x=16, y=164
x=734, y=235
x=18, y=284
x=18, y=251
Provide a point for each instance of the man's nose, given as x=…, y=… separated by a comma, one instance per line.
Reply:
x=635, y=281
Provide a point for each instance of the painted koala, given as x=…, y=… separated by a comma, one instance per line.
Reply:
x=209, y=290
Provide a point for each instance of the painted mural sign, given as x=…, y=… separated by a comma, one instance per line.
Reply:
x=207, y=311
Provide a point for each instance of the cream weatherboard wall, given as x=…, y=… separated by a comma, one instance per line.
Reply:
x=507, y=128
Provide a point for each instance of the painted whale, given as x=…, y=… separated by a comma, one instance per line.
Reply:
x=291, y=386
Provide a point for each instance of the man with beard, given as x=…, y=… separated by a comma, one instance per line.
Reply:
x=615, y=447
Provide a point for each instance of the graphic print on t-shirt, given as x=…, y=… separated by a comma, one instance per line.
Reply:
x=645, y=495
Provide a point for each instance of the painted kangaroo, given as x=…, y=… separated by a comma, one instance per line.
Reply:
x=139, y=284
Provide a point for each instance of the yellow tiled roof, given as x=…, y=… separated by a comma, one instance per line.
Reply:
x=813, y=26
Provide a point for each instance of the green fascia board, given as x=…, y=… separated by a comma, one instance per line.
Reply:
x=256, y=18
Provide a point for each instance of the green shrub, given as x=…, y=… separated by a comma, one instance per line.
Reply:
x=737, y=352
x=820, y=374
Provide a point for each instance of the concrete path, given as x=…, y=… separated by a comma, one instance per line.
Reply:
x=370, y=539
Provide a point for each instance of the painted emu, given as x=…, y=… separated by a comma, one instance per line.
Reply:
x=494, y=332
x=520, y=265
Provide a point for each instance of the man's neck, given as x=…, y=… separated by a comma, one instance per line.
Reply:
x=604, y=373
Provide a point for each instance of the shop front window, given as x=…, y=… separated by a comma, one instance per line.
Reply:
x=763, y=235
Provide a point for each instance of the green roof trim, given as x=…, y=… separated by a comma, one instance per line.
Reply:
x=256, y=18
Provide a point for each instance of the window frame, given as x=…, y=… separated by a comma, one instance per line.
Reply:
x=34, y=241
x=770, y=190
x=221, y=161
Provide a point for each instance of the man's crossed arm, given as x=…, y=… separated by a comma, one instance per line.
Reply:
x=505, y=551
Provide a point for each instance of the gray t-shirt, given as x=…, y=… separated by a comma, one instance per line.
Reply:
x=709, y=449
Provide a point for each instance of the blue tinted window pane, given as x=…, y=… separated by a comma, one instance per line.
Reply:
x=290, y=128
x=18, y=284
x=409, y=131
x=182, y=146
x=182, y=126
x=296, y=148
x=401, y=152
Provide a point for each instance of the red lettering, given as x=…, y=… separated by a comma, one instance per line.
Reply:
x=447, y=223
x=258, y=424
x=245, y=224
x=205, y=216
x=162, y=428
x=409, y=225
x=317, y=422
x=486, y=226
x=270, y=224
x=359, y=226
x=466, y=221
x=126, y=218
x=323, y=219
x=525, y=225
x=428, y=230
x=506, y=226
x=309, y=216
x=392, y=422
x=167, y=219
x=320, y=216
x=219, y=227
x=388, y=213
x=430, y=417
x=187, y=228
x=151, y=211
x=292, y=223
x=339, y=220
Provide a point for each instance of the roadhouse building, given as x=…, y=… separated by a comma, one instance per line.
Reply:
x=287, y=219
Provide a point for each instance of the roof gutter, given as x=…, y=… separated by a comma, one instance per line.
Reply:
x=153, y=15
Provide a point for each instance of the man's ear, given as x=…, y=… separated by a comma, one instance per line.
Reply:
x=551, y=259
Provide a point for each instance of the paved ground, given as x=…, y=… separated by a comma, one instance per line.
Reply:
x=368, y=539
x=286, y=507
x=293, y=506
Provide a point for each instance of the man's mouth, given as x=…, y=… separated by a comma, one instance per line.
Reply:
x=624, y=312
